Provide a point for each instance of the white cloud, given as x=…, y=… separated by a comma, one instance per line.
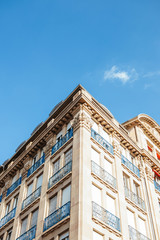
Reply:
x=124, y=76
x=151, y=74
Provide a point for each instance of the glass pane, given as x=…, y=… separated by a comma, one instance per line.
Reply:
x=39, y=181
x=68, y=156
x=136, y=188
x=9, y=235
x=59, y=136
x=29, y=191
x=66, y=195
x=95, y=156
x=56, y=166
x=34, y=218
x=96, y=194
x=7, y=208
x=130, y=217
x=23, y=226
x=15, y=202
x=110, y=204
x=34, y=160
x=14, y=179
x=126, y=180
x=142, y=226
x=52, y=204
x=68, y=126
x=64, y=236
x=95, y=127
x=105, y=135
x=97, y=236
x=108, y=166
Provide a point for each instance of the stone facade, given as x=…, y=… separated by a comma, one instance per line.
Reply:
x=82, y=176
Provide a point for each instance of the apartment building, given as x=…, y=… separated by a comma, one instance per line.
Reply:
x=83, y=176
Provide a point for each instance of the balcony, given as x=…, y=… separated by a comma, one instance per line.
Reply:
x=29, y=235
x=14, y=186
x=0, y=198
x=31, y=198
x=157, y=186
x=130, y=166
x=104, y=175
x=57, y=216
x=134, y=198
x=36, y=165
x=102, y=141
x=62, y=141
x=135, y=235
x=60, y=174
x=105, y=216
x=7, y=217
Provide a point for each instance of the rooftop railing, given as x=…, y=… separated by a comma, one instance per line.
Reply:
x=62, y=141
x=0, y=198
x=7, y=217
x=60, y=174
x=134, y=198
x=105, y=216
x=57, y=216
x=29, y=235
x=102, y=141
x=103, y=174
x=157, y=186
x=31, y=198
x=136, y=235
x=130, y=165
x=36, y=165
x=14, y=186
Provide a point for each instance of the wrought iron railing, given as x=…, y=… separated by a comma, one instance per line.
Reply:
x=103, y=174
x=29, y=235
x=60, y=174
x=62, y=141
x=103, y=142
x=105, y=216
x=136, y=235
x=14, y=186
x=33, y=196
x=130, y=165
x=0, y=198
x=7, y=217
x=57, y=216
x=157, y=186
x=134, y=198
x=36, y=165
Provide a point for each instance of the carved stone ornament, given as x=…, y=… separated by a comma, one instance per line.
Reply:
x=117, y=147
x=149, y=173
x=81, y=120
x=48, y=147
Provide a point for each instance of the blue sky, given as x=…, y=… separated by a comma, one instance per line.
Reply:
x=48, y=47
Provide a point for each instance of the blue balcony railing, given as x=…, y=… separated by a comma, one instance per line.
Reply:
x=60, y=174
x=29, y=235
x=134, y=198
x=157, y=186
x=0, y=198
x=36, y=165
x=56, y=216
x=62, y=141
x=32, y=197
x=104, y=175
x=105, y=216
x=136, y=235
x=14, y=186
x=102, y=141
x=130, y=165
x=7, y=217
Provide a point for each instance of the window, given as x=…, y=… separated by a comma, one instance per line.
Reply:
x=126, y=180
x=149, y=146
x=42, y=152
x=95, y=156
x=131, y=219
x=68, y=156
x=136, y=189
x=64, y=236
x=108, y=166
x=68, y=126
x=9, y=233
x=56, y=166
x=110, y=204
x=34, y=159
x=96, y=194
x=39, y=181
x=66, y=195
x=142, y=226
x=8, y=208
x=59, y=136
x=97, y=236
x=29, y=191
x=34, y=218
x=15, y=202
x=52, y=204
x=24, y=225
x=105, y=135
x=95, y=127
x=14, y=179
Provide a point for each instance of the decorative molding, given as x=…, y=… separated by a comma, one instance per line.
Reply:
x=81, y=120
